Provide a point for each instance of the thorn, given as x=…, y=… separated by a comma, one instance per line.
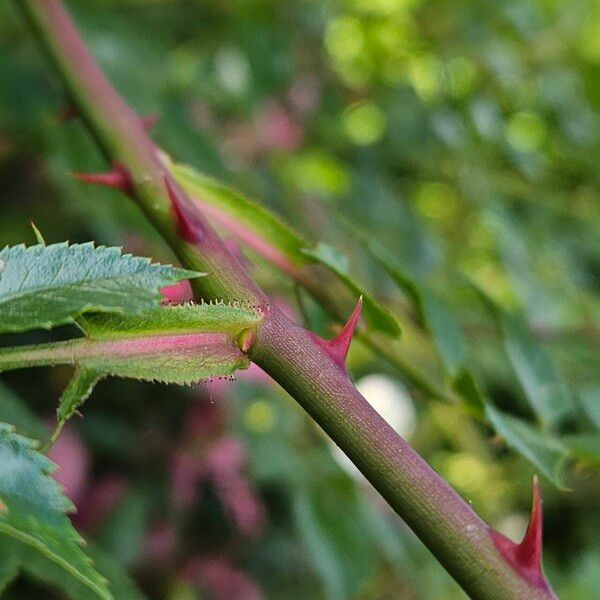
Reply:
x=526, y=557
x=191, y=227
x=118, y=178
x=530, y=548
x=149, y=121
x=338, y=347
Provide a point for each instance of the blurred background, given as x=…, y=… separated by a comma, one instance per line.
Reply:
x=462, y=135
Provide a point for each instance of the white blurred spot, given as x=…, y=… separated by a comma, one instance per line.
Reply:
x=392, y=401
x=233, y=70
x=513, y=525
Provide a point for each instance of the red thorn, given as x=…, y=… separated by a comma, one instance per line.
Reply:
x=149, y=121
x=190, y=226
x=338, y=347
x=526, y=557
x=118, y=178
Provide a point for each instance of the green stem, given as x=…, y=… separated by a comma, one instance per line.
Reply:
x=447, y=525
x=39, y=355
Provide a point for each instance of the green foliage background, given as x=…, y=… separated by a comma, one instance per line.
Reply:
x=462, y=136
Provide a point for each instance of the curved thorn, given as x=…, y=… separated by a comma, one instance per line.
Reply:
x=338, y=347
x=526, y=557
x=530, y=548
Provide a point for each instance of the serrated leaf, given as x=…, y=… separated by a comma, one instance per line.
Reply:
x=251, y=222
x=375, y=315
x=434, y=316
x=541, y=449
x=33, y=510
x=45, y=286
x=543, y=386
x=77, y=392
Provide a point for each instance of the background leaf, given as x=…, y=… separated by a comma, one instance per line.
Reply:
x=375, y=315
x=432, y=312
x=542, y=384
x=546, y=453
x=544, y=388
x=589, y=398
x=15, y=411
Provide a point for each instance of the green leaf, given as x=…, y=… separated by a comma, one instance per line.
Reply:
x=583, y=445
x=545, y=452
x=541, y=449
x=76, y=393
x=589, y=398
x=45, y=286
x=251, y=222
x=33, y=510
x=16, y=558
x=434, y=316
x=14, y=410
x=466, y=385
x=543, y=386
x=376, y=316
x=341, y=550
